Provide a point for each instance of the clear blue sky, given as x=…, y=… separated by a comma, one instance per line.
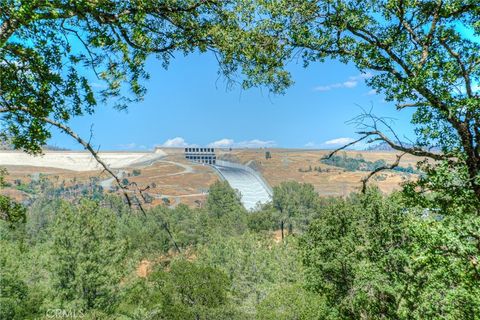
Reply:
x=190, y=104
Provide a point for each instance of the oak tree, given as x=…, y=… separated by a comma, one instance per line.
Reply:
x=418, y=54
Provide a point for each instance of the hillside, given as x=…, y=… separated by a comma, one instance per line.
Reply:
x=172, y=180
x=298, y=165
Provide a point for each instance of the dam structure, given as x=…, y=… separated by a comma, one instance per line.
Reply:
x=201, y=155
x=253, y=188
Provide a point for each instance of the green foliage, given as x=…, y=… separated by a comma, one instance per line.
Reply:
x=223, y=200
x=50, y=51
x=183, y=222
x=254, y=263
x=367, y=256
x=166, y=201
x=265, y=219
x=195, y=291
x=88, y=254
x=16, y=301
x=296, y=202
x=350, y=254
x=21, y=271
x=360, y=164
x=293, y=302
x=25, y=188
x=12, y=211
x=183, y=291
x=371, y=257
x=144, y=234
x=12, y=293
x=445, y=261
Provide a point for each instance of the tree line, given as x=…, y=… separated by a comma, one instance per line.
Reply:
x=365, y=256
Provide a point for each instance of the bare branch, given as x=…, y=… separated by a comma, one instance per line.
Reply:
x=415, y=151
x=88, y=146
x=372, y=130
x=411, y=105
x=331, y=154
x=94, y=153
x=379, y=169
x=84, y=143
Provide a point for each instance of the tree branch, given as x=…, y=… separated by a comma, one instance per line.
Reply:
x=463, y=68
x=411, y=105
x=415, y=151
x=84, y=143
x=331, y=154
x=94, y=153
x=379, y=169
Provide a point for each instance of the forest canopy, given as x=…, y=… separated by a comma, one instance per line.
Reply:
x=413, y=254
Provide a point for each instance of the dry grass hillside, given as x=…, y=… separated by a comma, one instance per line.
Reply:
x=288, y=164
x=172, y=177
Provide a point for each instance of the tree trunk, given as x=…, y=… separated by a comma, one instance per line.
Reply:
x=281, y=227
x=472, y=158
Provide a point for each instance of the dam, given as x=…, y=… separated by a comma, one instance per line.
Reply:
x=253, y=189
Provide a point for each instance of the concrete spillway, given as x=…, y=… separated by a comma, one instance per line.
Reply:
x=252, y=189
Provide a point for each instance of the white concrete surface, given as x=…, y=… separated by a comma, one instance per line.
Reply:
x=251, y=188
x=78, y=161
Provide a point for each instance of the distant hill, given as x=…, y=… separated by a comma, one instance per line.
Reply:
x=383, y=146
x=54, y=148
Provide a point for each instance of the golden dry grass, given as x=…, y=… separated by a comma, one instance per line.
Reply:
x=169, y=178
x=285, y=165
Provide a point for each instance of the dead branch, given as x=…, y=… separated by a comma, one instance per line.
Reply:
x=379, y=169
x=415, y=151
x=331, y=154
x=370, y=126
x=371, y=130
x=94, y=153
x=163, y=223
x=106, y=168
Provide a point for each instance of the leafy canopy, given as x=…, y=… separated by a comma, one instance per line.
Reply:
x=59, y=59
x=416, y=54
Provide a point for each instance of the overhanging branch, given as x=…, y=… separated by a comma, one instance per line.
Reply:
x=86, y=144
x=379, y=169
x=415, y=151
x=66, y=129
x=331, y=154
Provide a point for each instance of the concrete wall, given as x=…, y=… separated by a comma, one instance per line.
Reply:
x=257, y=174
x=251, y=185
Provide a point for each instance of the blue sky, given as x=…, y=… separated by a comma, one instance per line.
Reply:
x=189, y=104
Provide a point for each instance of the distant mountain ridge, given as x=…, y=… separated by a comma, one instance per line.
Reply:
x=383, y=146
